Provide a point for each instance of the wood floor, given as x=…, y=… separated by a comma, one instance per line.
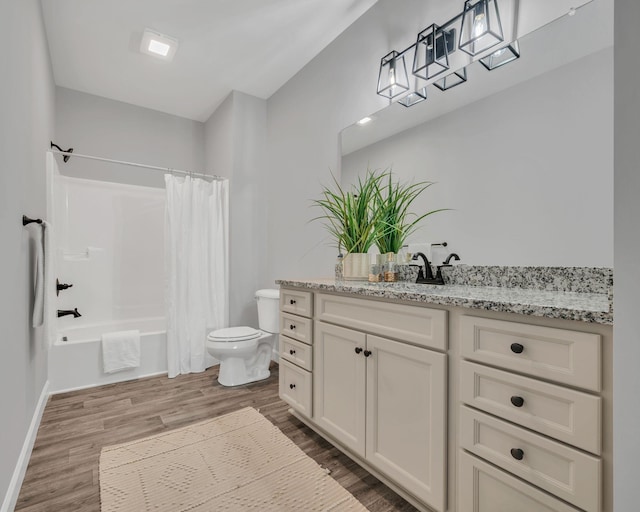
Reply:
x=63, y=471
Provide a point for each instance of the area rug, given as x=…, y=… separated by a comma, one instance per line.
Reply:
x=235, y=462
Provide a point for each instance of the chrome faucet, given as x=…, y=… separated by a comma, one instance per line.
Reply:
x=65, y=312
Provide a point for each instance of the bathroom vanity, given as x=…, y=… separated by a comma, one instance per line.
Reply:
x=461, y=398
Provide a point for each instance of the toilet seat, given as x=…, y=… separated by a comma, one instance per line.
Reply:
x=234, y=334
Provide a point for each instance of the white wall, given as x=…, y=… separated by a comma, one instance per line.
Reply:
x=102, y=127
x=626, y=357
x=235, y=137
x=26, y=125
x=332, y=92
x=527, y=172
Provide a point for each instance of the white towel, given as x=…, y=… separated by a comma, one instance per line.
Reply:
x=42, y=272
x=120, y=350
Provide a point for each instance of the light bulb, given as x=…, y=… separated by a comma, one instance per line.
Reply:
x=479, y=24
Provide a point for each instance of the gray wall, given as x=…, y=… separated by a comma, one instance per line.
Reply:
x=236, y=148
x=98, y=126
x=26, y=125
x=528, y=172
x=626, y=357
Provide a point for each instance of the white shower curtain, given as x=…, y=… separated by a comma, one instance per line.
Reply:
x=196, y=241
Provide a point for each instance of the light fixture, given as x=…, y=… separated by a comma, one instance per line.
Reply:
x=393, y=79
x=481, y=27
x=456, y=78
x=158, y=45
x=480, y=30
x=413, y=98
x=502, y=56
x=364, y=120
x=431, y=56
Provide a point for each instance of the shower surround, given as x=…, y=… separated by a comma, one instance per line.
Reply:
x=108, y=242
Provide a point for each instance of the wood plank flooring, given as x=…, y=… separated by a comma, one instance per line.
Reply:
x=63, y=470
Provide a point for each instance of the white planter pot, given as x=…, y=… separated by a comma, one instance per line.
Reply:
x=356, y=266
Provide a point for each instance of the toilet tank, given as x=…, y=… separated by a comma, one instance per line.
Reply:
x=268, y=310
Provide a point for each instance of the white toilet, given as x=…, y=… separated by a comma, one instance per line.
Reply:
x=244, y=352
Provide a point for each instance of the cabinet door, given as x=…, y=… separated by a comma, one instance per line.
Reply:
x=406, y=417
x=339, y=384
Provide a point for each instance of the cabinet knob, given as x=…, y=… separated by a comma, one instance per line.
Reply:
x=292, y=351
x=367, y=353
x=516, y=348
x=517, y=401
x=292, y=301
x=292, y=327
x=517, y=453
x=292, y=386
x=358, y=350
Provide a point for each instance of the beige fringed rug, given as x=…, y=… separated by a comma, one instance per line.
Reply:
x=235, y=462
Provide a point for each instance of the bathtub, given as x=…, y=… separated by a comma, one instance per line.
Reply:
x=75, y=358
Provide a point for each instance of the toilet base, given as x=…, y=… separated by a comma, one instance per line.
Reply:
x=233, y=372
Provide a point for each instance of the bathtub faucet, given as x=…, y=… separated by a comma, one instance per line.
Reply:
x=65, y=312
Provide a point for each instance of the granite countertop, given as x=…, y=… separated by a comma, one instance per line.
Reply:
x=568, y=305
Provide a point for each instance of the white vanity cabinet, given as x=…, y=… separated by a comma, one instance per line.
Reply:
x=295, y=343
x=456, y=409
x=529, y=390
x=384, y=399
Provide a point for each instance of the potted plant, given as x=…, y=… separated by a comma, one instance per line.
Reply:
x=352, y=220
x=395, y=221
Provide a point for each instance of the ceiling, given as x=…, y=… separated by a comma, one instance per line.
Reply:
x=254, y=46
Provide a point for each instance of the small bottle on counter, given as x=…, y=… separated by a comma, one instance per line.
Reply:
x=376, y=269
x=390, y=270
x=339, y=268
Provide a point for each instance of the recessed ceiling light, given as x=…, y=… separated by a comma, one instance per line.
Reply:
x=365, y=120
x=158, y=45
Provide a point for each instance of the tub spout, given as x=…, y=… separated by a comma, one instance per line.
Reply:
x=65, y=312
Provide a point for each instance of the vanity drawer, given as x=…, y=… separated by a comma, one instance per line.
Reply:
x=561, y=355
x=296, y=352
x=296, y=327
x=485, y=488
x=422, y=326
x=295, y=387
x=567, y=415
x=568, y=473
x=297, y=302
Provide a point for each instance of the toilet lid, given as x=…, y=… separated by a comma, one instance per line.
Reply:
x=234, y=334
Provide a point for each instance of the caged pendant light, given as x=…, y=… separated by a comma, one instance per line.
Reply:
x=393, y=79
x=502, y=56
x=414, y=97
x=451, y=80
x=481, y=28
x=431, y=56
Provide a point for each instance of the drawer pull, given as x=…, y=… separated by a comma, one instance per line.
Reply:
x=292, y=301
x=517, y=348
x=358, y=350
x=292, y=351
x=292, y=327
x=517, y=453
x=367, y=353
x=292, y=386
x=517, y=401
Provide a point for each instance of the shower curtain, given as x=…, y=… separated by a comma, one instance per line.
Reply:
x=196, y=241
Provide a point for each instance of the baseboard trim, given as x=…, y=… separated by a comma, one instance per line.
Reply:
x=13, y=492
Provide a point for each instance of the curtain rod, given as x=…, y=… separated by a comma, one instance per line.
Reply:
x=145, y=166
